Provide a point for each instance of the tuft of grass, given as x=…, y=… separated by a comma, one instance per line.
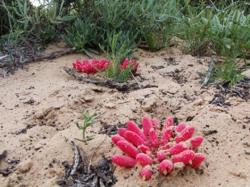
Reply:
x=154, y=20
x=228, y=72
x=88, y=120
x=120, y=46
x=80, y=34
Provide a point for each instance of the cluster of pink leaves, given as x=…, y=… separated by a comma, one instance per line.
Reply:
x=92, y=66
x=155, y=148
x=129, y=64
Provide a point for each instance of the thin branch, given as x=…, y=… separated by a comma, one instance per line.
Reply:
x=42, y=57
x=3, y=57
x=77, y=159
x=106, y=82
x=209, y=72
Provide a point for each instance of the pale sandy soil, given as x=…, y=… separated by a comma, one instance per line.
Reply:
x=49, y=102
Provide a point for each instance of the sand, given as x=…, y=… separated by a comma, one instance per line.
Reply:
x=39, y=106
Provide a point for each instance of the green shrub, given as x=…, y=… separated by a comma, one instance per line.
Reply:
x=220, y=27
x=228, y=71
x=40, y=22
x=119, y=47
x=147, y=19
x=154, y=20
x=225, y=32
x=81, y=33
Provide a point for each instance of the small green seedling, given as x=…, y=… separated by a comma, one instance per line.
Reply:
x=88, y=120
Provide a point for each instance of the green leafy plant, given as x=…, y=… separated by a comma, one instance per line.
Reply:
x=223, y=31
x=120, y=46
x=152, y=18
x=207, y=27
x=41, y=22
x=114, y=16
x=228, y=72
x=80, y=34
x=88, y=120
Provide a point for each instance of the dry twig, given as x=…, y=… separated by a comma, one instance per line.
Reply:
x=107, y=82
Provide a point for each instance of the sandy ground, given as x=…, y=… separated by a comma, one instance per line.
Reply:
x=40, y=104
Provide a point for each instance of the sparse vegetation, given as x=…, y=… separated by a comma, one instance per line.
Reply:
x=88, y=120
x=208, y=27
x=125, y=59
x=119, y=47
x=228, y=72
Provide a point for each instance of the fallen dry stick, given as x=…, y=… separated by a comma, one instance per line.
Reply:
x=209, y=72
x=107, y=82
x=3, y=155
x=3, y=57
x=81, y=173
x=77, y=159
x=41, y=57
x=209, y=132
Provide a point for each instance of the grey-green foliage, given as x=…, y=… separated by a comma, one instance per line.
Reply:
x=154, y=20
x=149, y=20
x=119, y=46
x=221, y=26
x=113, y=15
x=40, y=22
x=81, y=33
x=228, y=71
x=230, y=32
x=225, y=31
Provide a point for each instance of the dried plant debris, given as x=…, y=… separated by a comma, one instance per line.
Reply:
x=219, y=100
x=110, y=129
x=120, y=86
x=209, y=132
x=3, y=155
x=9, y=165
x=177, y=76
x=171, y=61
x=224, y=91
x=14, y=57
x=157, y=67
x=83, y=174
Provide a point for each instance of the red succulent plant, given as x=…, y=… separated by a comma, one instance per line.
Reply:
x=91, y=66
x=129, y=64
x=155, y=148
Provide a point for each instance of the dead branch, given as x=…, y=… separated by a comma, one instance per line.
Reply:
x=209, y=72
x=77, y=159
x=107, y=82
x=3, y=155
x=3, y=57
x=41, y=57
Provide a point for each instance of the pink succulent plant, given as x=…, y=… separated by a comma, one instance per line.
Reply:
x=91, y=66
x=123, y=161
x=144, y=159
x=166, y=167
x=129, y=63
x=157, y=149
x=146, y=173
